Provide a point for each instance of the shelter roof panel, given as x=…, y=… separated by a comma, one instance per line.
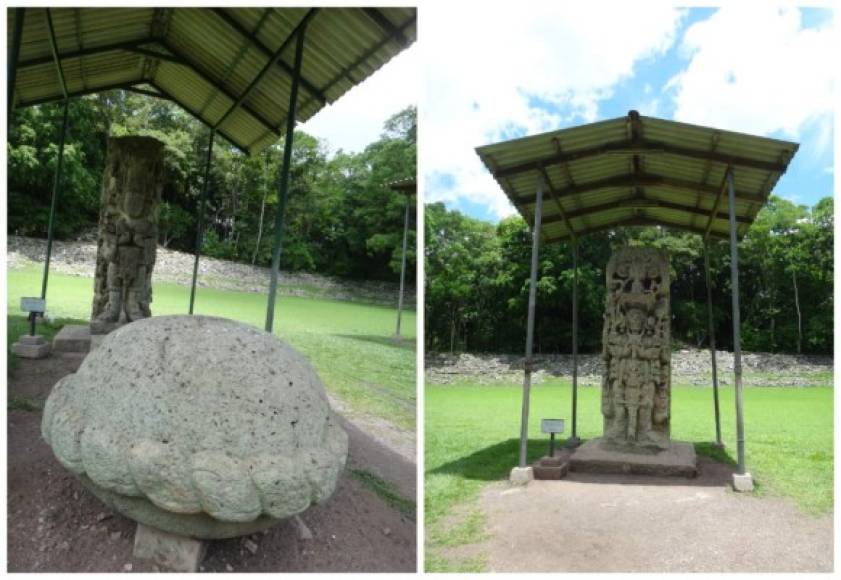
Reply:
x=222, y=53
x=638, y=170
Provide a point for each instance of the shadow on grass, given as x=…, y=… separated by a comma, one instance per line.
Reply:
x=403, y=343
x=493, y=463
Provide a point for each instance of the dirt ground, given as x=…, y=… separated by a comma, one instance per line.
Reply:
x=54, y=524
x=611, y=523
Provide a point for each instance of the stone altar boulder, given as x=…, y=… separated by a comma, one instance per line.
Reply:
x=199, y=426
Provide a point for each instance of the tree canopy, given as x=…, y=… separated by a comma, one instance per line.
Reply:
x=341, y=217
x=477, y=282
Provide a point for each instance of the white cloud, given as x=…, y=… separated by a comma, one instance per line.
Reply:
x=755, y=68
x=483, y=62
x=357, y=118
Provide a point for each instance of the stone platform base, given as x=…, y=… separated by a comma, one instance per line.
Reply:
x=99, y=327
x=73, y=338
x=550, y=468
x=169, y=552
x=742, y=482
x=679, y=460
x=521, y=475
x=31, y=346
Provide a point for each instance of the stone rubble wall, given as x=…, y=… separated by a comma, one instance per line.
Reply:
x=689, y=366
x=79, y=259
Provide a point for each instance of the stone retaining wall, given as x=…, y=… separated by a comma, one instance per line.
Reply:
x=689, y=366
x=79, y=259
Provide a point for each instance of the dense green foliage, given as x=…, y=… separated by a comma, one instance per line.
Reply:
x=465, y=451
x=477, y=283
x=341, y=217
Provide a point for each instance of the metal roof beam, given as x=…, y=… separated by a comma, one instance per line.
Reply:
x=635, y=221
x=147, y=93
x=89, y=91
x=157, y=55
x=54, y=50
x=209, y=80
x=643, y=179
x=713, y=212
x=165, y=94
x=557, y=201
x=642, y=146
x=641, y=203
x=93, y=50
x=386, y=25
x=272, y=61
x=255, y=42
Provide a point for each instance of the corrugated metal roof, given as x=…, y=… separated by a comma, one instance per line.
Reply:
x=406, y=186
x=205, y=58
x=637, y=170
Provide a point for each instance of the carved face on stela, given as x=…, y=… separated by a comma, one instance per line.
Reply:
x=637, y=278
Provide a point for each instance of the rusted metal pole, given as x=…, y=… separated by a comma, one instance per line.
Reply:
x=737, y=337
x=574, y=439
x=535, y=251
x=711, y=327
x=403, y=266
x=200, y=218
x=283, y=185
x=14, y=54
x=60, y=161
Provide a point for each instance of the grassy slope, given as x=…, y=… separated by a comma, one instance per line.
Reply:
x=349, y=343
x=471, y=439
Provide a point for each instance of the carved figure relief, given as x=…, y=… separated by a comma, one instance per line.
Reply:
x=636, y=386
x=128, y=232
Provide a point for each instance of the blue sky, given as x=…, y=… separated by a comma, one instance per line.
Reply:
x=752, y=68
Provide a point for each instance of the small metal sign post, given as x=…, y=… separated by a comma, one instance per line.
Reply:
x=552, y=426
x=35, y=307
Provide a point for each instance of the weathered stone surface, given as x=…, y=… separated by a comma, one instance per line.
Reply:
x=599, y=456
x=636, y=385
x=128, y=232
x=73, y=338
x=200, y=426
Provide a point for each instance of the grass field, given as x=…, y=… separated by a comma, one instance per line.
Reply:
x=349, y=343
x=471, y=440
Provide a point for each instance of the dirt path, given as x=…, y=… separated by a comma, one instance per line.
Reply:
x=54, y=524
x=605, y=523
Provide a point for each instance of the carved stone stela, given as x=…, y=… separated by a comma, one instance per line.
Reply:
x=128, y=232
x=636, y=386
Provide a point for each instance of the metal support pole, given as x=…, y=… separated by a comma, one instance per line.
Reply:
x=59, y=168
x=14, y=55
x=283, y=185
x=535, y=250
x=718, y=441
x=737, y=338
x=574, y=438
x=200, y=218
x=403, y=266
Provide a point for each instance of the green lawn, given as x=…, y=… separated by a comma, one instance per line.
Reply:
x=472, y=431
x=348, y=343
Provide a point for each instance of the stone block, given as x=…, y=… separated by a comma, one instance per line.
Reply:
x=742, y=482
x=551, y=471
x=73, y=338
x=170, y=552
x=521, y=475
x=31, y=346
x=595, y=456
